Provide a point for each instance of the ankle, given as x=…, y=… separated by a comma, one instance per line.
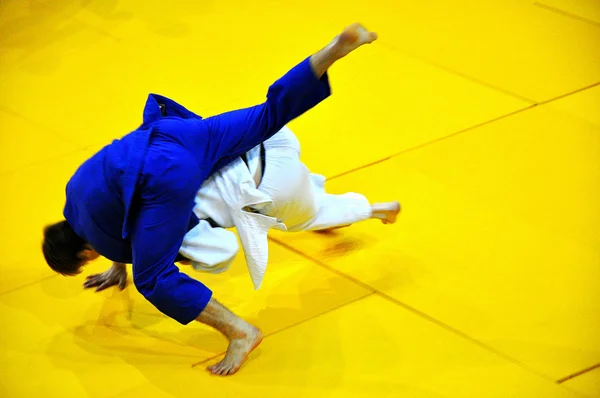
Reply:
x=239, y=330
x=378, y=208
x=378, y=215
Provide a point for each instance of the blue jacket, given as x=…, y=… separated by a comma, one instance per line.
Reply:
x=133, y=200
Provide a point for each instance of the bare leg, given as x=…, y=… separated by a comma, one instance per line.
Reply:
x=351, y=38
x=386, y=212
x=243, y=337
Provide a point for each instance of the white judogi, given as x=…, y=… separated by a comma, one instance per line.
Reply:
x=288, y=198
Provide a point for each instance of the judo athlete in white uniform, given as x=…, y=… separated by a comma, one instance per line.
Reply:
x=254, y=197
x=284, y=196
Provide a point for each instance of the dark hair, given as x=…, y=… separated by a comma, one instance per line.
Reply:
x=61, y=248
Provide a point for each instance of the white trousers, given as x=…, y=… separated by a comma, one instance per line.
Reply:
x=299, y=201
x=299, y=197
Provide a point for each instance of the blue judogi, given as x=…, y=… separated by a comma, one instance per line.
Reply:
x=133, y=200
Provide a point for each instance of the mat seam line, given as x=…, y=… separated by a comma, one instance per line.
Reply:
x=577, y=374
x=565, y=13
x=28, y=284
x=465, y=130
x=461, y=75
x=435, y=141
x=565, y=95
x=357, y=299
x=417, y=312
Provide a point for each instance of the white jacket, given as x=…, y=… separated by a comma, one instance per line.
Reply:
x=224, y=198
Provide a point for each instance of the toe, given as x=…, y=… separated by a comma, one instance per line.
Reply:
x=215, y=368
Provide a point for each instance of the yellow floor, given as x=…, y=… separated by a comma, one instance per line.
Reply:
x=481, y=117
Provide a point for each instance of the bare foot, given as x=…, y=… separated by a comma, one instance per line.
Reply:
x=386, y=212
x=349, y=40
x=353, y=37
x=237, y=352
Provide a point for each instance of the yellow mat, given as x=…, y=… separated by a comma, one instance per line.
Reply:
x=480, y=117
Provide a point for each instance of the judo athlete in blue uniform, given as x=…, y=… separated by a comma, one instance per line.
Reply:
x=132, y=202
